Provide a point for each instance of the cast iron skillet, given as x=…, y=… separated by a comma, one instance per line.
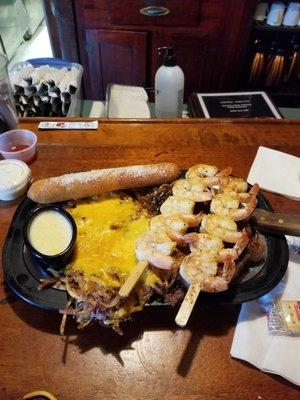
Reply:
x=23, y=272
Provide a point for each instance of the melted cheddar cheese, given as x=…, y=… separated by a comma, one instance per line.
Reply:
x=107, y=229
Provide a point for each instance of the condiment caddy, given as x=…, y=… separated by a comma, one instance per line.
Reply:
x=46, y=87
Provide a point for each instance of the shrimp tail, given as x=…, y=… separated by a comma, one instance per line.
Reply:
x=176, y=237
x=161, y=261
x=242, y=242
x=216, y=284
x=229, y=269
x=254, y=190
x=190, y=237
x=224, y=173
x=246, y=197
x=244, y=213
x=225, y=255
x=211, y=181
x=192, y=220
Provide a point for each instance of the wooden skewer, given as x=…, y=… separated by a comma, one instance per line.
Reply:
x=188, y=303
x=133, y=278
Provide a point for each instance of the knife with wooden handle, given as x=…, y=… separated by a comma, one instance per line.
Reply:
x=268, y=221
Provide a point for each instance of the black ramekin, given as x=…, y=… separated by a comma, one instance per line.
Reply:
x=58, y=261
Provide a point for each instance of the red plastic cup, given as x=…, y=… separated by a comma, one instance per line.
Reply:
x=19, y=144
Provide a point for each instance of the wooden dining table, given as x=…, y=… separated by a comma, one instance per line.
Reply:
x=154, y=359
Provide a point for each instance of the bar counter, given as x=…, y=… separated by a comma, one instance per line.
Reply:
x=154, y=359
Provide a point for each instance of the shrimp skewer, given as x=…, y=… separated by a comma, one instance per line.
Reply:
x=195, y=269
x=177, y=215
x=198, y=269
x=167, y=230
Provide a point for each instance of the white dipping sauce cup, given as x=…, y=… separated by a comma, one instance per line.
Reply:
x=14, y=179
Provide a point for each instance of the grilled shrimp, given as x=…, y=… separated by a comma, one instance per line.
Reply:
x=174, y=226
x=201, y=170
x=191, y=189
x=234, y=252
x=203, y=242
x=155, y=247
x=198, y=265
x=207, y=175
x=231, y=184
x=221, y=226
x=224, y=204
x=173, y=223
x=227, y=204
x=177, y=206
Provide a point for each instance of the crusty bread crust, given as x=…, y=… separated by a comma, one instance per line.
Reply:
x=91, y=183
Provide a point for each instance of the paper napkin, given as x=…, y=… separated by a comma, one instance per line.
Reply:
x=128, y=102
x=275, y=354
x=276, y=172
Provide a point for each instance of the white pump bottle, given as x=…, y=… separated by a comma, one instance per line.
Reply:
x=169, y=85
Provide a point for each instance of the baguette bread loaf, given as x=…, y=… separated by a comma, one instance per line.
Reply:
x=91, y=183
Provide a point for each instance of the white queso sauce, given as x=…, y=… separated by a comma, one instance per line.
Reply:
x=50, y=232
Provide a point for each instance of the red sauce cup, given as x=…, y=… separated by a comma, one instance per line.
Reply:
x=19, y=144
